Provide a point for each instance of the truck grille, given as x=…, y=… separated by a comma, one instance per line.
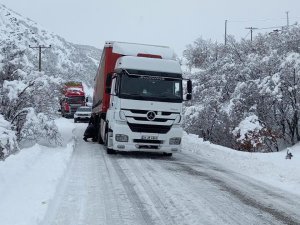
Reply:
x=146, y=111
x=155, y=120
x=73, y=109
x=146, y=128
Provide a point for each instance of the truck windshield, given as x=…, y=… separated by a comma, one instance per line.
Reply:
x=152, y=88
x=75, y=99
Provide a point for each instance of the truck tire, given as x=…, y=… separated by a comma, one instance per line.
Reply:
x=99, y=138
x=108, y=150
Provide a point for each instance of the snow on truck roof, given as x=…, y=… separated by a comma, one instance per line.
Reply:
x=148, y=64
x=134, y=49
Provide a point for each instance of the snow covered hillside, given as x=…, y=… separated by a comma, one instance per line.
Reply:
x=64, y=59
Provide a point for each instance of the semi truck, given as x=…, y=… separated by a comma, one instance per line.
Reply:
x=72, y=98
x=138, y=98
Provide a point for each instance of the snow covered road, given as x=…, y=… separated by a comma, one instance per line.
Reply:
x=152, y=189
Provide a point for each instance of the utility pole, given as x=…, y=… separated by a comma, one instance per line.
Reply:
x=40, y=54
x=287, y=19
x=225, y=32
x=251, y=30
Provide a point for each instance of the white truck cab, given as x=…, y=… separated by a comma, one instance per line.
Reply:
x=145, y=105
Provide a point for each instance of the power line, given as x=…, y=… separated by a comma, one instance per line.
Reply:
x=260, y=20
x=251, y=30
x=266, y=28
x=244, y=21
x=40, y=54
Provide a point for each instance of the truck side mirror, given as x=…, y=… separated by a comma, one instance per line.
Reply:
x=188, y=96
x=189, y=87
x=108, y=83
x=108, y=80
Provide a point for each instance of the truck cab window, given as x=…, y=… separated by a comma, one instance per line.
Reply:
x=150, y=88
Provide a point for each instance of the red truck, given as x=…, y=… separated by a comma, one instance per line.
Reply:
x=73, y=97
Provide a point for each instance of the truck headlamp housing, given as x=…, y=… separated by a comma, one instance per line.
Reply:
x=121, y=138
x=175, y=141
x=177, y=119
x=122, y=115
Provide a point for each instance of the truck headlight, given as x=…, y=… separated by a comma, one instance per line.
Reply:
x=121, y=138
x=175, y=141
x=122, y=115
x=177, y=119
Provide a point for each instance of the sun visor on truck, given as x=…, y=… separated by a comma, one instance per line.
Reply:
x=148, y=64
x=132, y=49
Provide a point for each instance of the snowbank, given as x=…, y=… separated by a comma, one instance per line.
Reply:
x=29, y=179
x=8, y=139
x=271, y=168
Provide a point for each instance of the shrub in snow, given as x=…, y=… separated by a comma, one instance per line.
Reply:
x=248, y=133
x=8, y=139
x=39, y=127
x=252, y=135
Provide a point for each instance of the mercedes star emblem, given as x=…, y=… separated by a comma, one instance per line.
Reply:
x=151, y=115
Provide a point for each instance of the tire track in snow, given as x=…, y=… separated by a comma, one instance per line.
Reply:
x=237, y=192
x=182, y=203
x=200, y=197
x=195, y=204
x=279, y=204
x=137, y=203
x=116, y=195
x=152, y=191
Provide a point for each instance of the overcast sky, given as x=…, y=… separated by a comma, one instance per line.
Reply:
x=175, y=23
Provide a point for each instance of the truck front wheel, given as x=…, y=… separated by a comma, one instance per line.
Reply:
x=109, y=150
x=99, y=138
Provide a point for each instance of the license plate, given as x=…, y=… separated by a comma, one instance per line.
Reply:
x=149, y=137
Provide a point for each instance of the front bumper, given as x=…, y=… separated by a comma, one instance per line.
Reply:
x=137, y=141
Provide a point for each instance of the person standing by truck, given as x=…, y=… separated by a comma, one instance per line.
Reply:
x=90, y=131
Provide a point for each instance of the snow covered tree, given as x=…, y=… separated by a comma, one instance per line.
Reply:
x=28, y=101
x=246, y=78
x=8, y=139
